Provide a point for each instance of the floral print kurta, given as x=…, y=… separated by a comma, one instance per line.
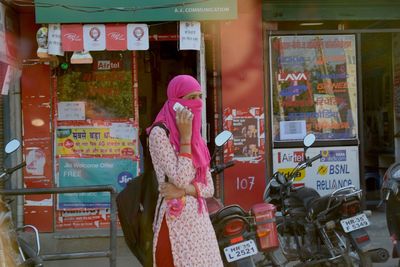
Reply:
x=192, y=236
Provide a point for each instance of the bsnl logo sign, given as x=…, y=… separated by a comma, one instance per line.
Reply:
x=296, y=156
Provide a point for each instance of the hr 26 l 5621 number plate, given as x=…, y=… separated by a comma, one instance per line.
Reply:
x=353, y=223
x=240, y=250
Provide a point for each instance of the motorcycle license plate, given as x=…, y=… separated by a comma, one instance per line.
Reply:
x=240, y=250
x=353, y=223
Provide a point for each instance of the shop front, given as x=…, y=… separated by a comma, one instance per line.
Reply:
x=333, y=71
x=84, y=115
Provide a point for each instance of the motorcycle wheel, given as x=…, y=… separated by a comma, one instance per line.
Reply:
x=357, y=258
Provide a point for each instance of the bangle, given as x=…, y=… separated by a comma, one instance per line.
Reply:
x=187, y=155
x=185, y=144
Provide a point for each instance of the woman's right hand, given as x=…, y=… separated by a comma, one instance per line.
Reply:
x=184, y=119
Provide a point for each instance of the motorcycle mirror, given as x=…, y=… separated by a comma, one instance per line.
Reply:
x=222, y=138
x=12, y=146
x=308, y=140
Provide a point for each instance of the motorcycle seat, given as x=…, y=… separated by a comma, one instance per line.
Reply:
x=227, y=211
x=319, y=204
x=305, y=196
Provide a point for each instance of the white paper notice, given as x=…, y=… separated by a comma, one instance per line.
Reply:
x=7, y=80
x=138, y=36
x=71, y=111
x=292, y=130
x=123, y=131
x=54, y=40
x=189, y=35
x=94, y=37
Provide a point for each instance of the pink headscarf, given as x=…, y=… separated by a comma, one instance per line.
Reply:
x=178, y=87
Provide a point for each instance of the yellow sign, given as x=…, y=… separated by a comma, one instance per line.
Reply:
x=300, y=175
x=95, y=141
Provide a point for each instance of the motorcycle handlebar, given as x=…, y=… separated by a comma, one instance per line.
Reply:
x=315, y=158
x=219, y=168
x=13, y=169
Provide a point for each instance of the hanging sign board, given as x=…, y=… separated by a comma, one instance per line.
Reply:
x=103, y=11
x=138, y=37
x=72, y=37
x=189, y=35
x=94, y=37
x=54, y=40
x=116, y=37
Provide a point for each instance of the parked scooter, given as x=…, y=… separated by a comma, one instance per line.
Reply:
x=390, y=195
x=245, y=238
x=315, y=230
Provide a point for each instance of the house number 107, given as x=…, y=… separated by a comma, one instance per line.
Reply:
x=246, y=183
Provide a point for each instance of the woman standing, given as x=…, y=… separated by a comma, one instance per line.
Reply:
x=183, y=233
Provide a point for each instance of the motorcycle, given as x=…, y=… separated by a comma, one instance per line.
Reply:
x=14, y=250
x=390, y=195
x=244, y=238
x=314, y=230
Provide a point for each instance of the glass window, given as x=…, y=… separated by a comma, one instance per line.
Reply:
x=314, y=87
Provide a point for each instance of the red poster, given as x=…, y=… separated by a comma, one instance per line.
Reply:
x=116, y=37
x=38, y=209
x=72, y=37
x=243, y=102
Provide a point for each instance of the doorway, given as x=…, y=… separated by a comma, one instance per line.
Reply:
x=378, y=112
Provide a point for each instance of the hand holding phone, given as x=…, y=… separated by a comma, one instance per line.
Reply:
x=178, y=107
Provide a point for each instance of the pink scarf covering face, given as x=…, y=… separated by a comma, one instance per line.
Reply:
x=178, y=87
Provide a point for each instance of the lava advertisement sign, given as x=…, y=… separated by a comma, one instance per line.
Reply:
x=337, y=168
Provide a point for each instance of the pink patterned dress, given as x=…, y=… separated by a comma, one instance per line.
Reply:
x=191, y=234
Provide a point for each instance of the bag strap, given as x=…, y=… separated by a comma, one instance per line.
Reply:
x=163, y=126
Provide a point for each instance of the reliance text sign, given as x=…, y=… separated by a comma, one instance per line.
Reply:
x=338, y=167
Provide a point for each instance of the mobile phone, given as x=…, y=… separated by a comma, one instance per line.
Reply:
x=178, y=106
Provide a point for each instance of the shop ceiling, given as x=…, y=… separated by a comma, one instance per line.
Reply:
x=103, y=11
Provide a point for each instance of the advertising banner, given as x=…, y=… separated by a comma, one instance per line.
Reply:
x=138, y=36
x=116, y=37
x=338, y=167
x=247, y=127
x=93, y=141
x=37, y=146
x=72, y=37
x=83, y=219
x=102, y=11
x=314, y=87
x=94, y=37
x=93, y=171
